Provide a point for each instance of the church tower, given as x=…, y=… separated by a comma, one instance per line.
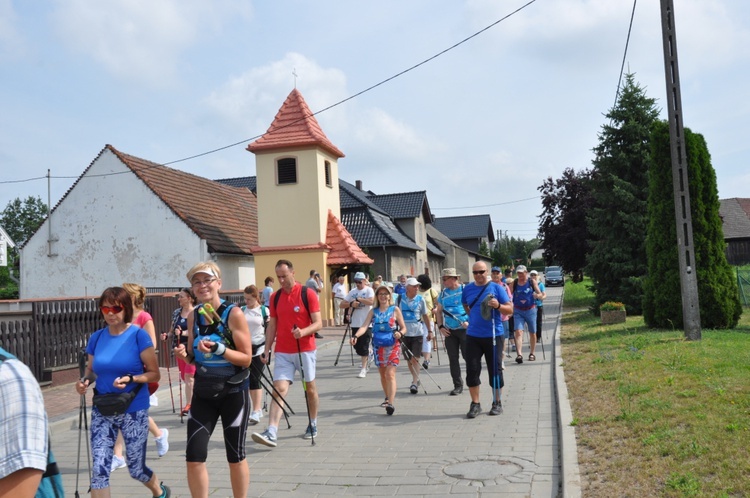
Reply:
x=298, y=198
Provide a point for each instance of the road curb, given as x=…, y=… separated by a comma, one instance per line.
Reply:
x=571, y=475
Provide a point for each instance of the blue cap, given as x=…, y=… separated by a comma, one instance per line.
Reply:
x=497, y=269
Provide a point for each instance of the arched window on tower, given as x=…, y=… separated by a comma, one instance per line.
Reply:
x=286, y=171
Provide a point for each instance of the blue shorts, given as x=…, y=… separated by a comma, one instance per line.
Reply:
x=525, y=316
x=506, y=329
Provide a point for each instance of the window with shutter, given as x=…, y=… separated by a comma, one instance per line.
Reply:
x=329, y=183
x=286, y=171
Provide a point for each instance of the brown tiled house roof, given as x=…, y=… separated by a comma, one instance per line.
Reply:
x=225, y=217
x=294, y=126
x=735, y=217
x=344, y=250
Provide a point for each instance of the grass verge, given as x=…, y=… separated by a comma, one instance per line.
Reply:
x=656, y=415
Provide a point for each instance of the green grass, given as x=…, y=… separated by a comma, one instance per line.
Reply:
x=657, y=415
x=578, y=296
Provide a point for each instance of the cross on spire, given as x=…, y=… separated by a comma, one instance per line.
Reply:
x=294, y=73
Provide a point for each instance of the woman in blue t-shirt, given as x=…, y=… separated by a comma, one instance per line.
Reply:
x=121, y=359
x=387, y=323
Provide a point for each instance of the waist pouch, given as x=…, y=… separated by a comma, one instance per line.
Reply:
x=210, y=386
x=114, y=403
x=256, y=346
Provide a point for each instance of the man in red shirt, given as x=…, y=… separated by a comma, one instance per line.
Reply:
x=292, y=328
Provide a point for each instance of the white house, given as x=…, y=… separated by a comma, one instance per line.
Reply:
x=130, y=220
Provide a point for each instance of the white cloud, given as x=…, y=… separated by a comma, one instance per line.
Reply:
x=378, y=130
x=249, y=102
x=139, y=40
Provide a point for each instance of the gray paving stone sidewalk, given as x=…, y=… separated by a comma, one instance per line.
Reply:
x=427, y=448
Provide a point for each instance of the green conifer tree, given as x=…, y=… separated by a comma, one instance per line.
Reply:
x=617, y=221
x=718, y=296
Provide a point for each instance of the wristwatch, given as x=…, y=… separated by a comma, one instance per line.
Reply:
x=130, y=377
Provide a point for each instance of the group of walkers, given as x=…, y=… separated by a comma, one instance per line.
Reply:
x=223, y=354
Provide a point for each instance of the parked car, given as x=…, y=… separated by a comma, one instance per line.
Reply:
x=553, y=275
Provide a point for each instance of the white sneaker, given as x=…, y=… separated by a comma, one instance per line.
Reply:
x=117, y=463
x=362, y=373
x=162, y=443
x=502, y=365
x=255, y=417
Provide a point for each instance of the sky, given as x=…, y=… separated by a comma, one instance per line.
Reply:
x=479, y=128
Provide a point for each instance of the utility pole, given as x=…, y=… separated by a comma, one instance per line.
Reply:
x=683, y=218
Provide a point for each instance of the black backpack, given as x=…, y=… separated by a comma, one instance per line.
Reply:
x=303, y=295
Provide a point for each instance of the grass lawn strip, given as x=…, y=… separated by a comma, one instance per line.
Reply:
x=656, y=415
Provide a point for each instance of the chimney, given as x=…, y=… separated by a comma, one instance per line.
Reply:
x=358, y=184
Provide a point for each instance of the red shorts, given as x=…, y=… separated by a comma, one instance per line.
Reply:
x=185, y=368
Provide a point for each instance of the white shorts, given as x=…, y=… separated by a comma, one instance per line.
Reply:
x=285, y=364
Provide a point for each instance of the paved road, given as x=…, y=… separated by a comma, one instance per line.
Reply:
x=428, y=447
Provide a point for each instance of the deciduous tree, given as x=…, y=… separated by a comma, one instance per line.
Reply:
x=562, y=225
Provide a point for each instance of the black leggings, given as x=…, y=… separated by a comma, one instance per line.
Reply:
x=256, y=372
x=539, y=320
x=476, y=347
x=233, y=410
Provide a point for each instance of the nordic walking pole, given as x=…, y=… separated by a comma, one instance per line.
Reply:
x=341, y=346
x=539, y=332
x=263, y=381
x=410, y=355
x=169, y=374
x=83, y=421
x=436, y=344
x=304, y=388
x=495, y=374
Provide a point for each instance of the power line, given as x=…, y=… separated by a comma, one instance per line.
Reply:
x=624, y=55
x=415, y=66
x=489, y=205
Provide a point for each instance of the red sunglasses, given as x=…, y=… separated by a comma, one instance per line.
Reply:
x=111, y=309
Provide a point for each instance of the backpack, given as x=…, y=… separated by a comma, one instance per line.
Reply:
x=263, y=314
x=303, y=295
x=223, y=312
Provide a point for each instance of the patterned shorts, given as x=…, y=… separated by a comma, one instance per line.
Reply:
x=387, y=355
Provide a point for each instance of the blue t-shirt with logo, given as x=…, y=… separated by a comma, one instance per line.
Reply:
x=474, y=294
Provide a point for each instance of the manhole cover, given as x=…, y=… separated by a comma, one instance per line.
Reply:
x=482, y=470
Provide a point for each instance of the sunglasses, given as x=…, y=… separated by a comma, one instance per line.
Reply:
x=358, y=281
x=479, y=272
x=200, y=283
x=111, y=309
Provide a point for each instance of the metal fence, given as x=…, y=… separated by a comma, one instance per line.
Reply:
x=58, y=330
x=743, y=282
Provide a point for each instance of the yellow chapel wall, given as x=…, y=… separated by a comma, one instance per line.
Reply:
x=296, y=214
x=303, y=261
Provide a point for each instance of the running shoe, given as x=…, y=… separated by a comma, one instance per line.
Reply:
x=474, y=410
x=311, y=432
x=162, y=443
x=265, y=438
x=117, y=463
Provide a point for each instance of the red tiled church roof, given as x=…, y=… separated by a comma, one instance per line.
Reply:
x=226, y=217
x=344, y=250
x=294, y=126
